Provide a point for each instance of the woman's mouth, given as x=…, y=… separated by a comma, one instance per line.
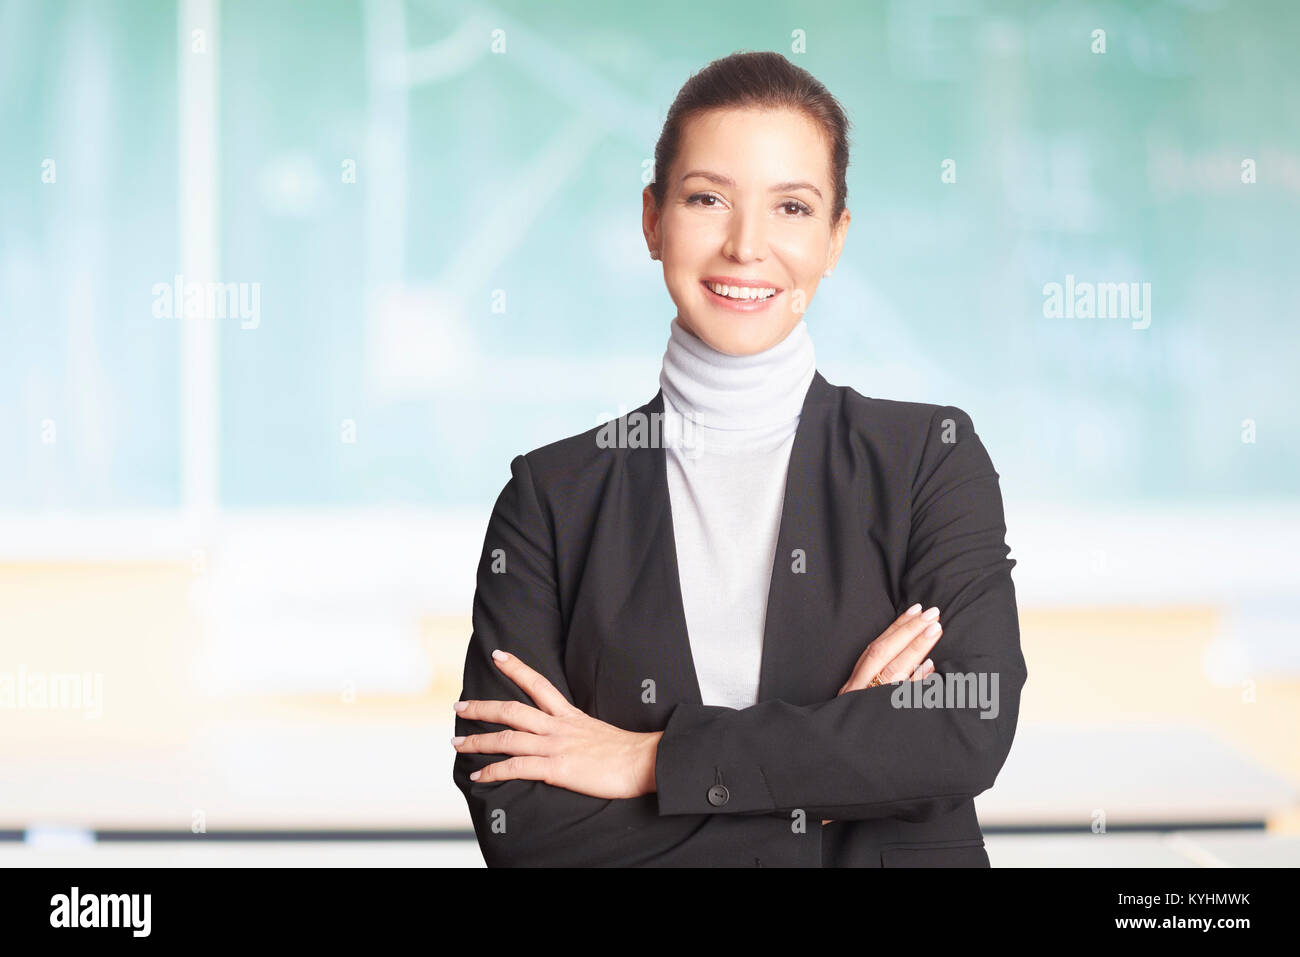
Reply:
x=741, y=298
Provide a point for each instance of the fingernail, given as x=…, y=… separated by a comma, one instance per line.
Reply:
x=928, y=663
x=474, y=776
x=457, y=741
x=461, y=705
x=932, y=630
x=500, y=655
x=913, y=610
x=930, y=614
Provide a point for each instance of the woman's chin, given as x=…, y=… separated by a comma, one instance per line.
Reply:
x=740, y=336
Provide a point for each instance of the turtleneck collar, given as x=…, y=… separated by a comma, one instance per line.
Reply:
x=762, y=391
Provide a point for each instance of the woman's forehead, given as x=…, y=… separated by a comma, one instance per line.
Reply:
x=781, y=145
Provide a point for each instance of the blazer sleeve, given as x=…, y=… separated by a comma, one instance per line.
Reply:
x=858, y=756
x=516, y=608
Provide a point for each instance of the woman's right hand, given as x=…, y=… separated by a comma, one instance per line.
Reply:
x=899, y=653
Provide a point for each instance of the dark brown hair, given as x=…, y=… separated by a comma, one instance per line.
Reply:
x=756, y=79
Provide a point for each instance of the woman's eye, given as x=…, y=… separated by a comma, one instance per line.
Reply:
x=698, y=199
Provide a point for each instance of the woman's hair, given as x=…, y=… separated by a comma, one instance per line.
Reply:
x=763, y=80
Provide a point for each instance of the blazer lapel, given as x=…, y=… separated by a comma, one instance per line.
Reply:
x=785, y=670
x=652, y=564
x=797, y=623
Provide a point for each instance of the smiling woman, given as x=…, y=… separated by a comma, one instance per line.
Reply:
x=680, y=653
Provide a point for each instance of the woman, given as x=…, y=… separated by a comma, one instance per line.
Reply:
x=694, y=627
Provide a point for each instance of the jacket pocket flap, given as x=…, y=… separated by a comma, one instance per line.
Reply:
x=936, y=854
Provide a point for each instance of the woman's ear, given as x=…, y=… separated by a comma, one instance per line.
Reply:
x=650, y=221
x=838, y=235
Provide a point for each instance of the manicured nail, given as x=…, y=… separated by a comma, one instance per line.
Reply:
x=474, y=776
x=932, y=630
x=913, y=610
x=930, y=614
x=461, y=705
x=500, y=655
x=928, y=663
x=457, y=741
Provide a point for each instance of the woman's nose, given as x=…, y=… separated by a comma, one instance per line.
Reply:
x=745, y=235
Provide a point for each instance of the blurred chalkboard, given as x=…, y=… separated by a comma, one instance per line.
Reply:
x=394, y=173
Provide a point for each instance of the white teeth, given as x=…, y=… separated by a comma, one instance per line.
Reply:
x=742, y=292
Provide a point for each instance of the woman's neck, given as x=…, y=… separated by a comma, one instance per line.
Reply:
x=727, y=393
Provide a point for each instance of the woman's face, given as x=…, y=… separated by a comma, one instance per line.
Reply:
x=747, y=203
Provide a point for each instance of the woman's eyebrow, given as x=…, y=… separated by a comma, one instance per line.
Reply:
x=728, y=181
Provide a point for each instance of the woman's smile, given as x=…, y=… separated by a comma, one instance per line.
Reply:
x=740, y=295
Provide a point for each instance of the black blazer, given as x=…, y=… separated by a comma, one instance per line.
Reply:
x=887, y=503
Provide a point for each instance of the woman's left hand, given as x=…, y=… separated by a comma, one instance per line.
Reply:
x=557, y=742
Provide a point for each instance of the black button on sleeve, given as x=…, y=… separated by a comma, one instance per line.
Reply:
x=719, y=795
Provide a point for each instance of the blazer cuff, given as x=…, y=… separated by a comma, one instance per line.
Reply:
x=690, y=781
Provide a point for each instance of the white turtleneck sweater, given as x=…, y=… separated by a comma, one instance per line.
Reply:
x=736, y=417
